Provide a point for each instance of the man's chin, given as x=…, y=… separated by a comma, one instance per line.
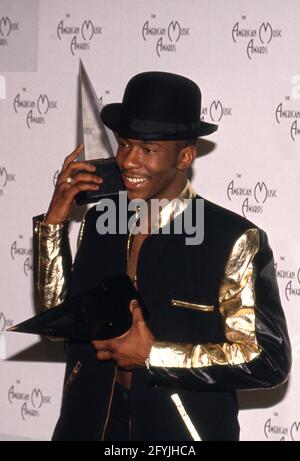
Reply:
x=137, y=195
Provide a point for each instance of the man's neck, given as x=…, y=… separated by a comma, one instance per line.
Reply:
x=162, y=211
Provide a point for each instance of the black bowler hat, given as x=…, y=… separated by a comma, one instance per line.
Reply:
x=158, y=106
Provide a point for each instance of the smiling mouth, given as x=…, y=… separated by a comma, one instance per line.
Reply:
x=132, y=182
x=134, y=179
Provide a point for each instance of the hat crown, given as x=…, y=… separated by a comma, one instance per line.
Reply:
x=160, y=106
x=162, y=97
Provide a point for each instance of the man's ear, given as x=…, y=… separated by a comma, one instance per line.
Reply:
x=186, y=157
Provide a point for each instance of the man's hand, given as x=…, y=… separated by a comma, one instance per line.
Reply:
x=71, y=180
x=131, y=349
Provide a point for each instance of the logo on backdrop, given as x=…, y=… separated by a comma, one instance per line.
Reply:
x=35, y=110
x=55, y=177
x=217, y=110
x=30, y=403
x=288, y=277
x=78, y=36
x=4, y=322
x=256, y=40
x=287, y=114
x=7, y=29
x=166, y=37
x=19, y=252
x=253, y=198
x=276, y=430
x=295, y=431
x=5, y=178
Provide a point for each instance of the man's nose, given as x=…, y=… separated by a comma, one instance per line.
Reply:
x=131, y=158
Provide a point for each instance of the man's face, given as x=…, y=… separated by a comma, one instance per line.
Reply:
x=149, y=168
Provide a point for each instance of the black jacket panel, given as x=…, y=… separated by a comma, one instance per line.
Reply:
x=169, y=269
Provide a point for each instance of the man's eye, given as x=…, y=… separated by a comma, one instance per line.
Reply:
x=123, y=144
x=149, y=150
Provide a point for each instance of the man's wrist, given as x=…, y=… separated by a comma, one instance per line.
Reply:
x=46, y=231
x=48, y=220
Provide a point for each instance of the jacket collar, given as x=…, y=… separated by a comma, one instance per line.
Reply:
x=171, y=210
x=176, y=206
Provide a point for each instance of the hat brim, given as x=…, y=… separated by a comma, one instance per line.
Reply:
x=111, y=115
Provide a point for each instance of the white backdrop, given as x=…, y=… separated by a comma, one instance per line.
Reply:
x=245, y=56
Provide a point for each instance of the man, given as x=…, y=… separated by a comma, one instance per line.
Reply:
x=216, y=323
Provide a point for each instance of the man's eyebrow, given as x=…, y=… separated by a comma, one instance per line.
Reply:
x=151, y=142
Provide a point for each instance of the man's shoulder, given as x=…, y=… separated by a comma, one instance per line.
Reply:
x=221, y=222
x=221, y=213
x=223, y=228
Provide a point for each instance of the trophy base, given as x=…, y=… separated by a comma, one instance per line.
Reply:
x=112, y=184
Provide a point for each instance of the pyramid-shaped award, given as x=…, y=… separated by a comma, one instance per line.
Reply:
x=100, y=313
x=97, y=143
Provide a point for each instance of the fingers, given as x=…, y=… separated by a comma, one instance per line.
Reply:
x=73, y=178
x=105, y=350
x=85, y=177
x=103, y=345
x=68, y=192
x=104, y=355
x=70, y=158
x=133, y=304
x=136, y=311
x=80, y=182
x=74, y=166
x=74, y=169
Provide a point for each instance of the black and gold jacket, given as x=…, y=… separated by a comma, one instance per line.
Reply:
x=215, y=313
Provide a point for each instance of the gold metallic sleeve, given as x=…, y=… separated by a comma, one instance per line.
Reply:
x=52, y=262
x=237, y=306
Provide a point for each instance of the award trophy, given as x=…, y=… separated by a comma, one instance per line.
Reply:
x=100, y=313
x=97, y=144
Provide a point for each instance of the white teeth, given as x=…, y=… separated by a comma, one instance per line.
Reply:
x=135, y=180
